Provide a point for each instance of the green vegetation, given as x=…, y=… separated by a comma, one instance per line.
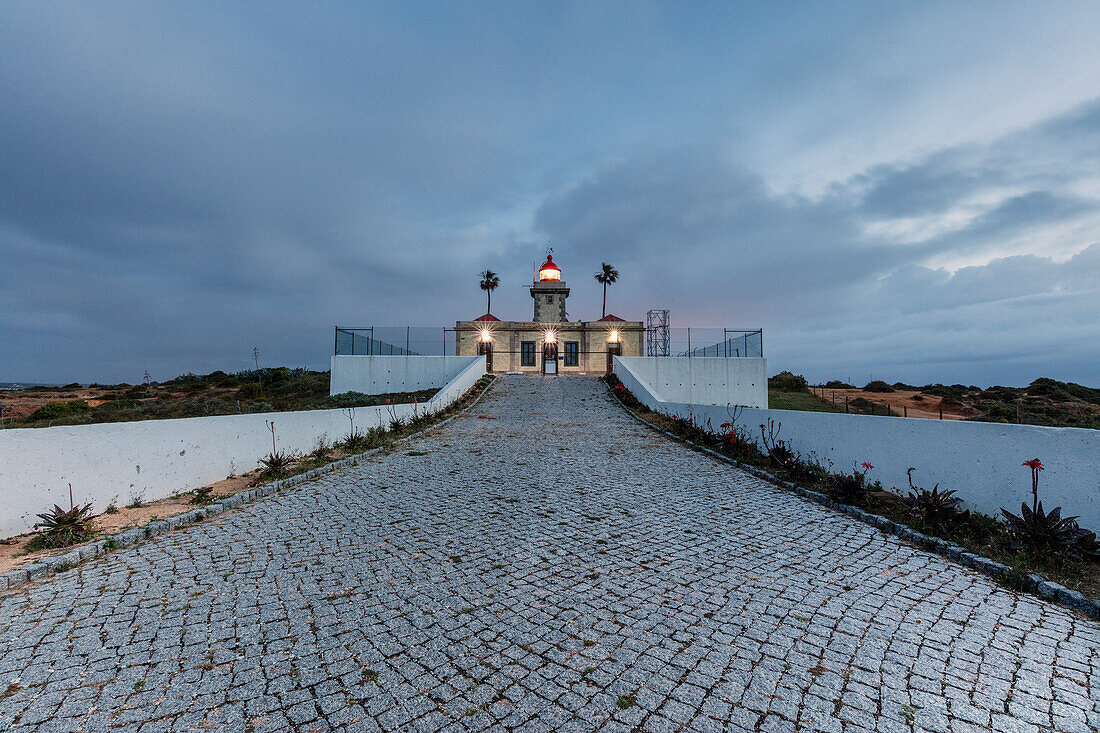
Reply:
x=787, y=391
x=782, y=400
x=57, y=411
x=787, y=382
x=878, y=386
x=62, y=527
x=1043, y=402
x=192, y=395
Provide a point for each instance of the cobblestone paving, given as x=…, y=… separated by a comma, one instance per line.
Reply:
x=549, y=566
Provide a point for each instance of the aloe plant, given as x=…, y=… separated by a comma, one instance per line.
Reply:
x=937, y=510
x=1042, y=533
x=64, y=527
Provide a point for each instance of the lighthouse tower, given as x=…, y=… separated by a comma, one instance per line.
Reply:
x=549, y=293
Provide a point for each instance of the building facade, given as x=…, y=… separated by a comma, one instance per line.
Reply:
x=549, y=343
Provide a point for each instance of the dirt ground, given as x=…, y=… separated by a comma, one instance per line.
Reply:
x=903, y=402
x=13, y=555
x=22, y=402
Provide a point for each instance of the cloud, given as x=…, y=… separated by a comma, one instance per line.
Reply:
x=834, y=288
x=181, y=185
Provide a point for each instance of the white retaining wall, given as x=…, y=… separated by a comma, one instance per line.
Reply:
x=156, y=458
x=980, y=461
x=386, y=374
x=703, y=380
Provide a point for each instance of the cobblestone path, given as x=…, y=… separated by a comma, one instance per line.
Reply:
x=542, y=563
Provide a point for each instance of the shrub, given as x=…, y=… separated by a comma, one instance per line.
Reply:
x=249, y=390
x=347, y=399
x=119, y=404
x=734, y=441
x=878, y=386
x=788, y=382
x=57, y=410
x=850, y=488
x=354, y=441
x=837, y=384
x=278, y=374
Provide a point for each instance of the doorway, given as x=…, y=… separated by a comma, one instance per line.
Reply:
x=613, y=350
x=550, y=358
x=485, y=348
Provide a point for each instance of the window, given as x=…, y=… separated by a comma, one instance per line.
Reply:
x=527, y=353
x=571, y=353
x=549, y=298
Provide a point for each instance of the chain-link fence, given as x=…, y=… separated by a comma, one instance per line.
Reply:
x=724, y=342
x=440, y=341
x=395, y=341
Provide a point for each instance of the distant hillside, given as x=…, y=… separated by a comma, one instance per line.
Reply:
x=189, y=395
x=1043, y=402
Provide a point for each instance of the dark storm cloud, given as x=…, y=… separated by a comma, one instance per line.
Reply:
x=182, y=183
x=690, y=222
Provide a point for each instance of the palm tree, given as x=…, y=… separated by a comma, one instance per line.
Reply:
x=607, y=274
x=489, y=283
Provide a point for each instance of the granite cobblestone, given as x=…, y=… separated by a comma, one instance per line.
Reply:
x=541, y=563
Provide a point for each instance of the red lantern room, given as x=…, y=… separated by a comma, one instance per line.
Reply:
x=549, y=271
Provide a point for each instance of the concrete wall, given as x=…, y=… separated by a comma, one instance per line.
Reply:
x=703, y=380
x=980, y=461
x=156, y=458
x=385, y=374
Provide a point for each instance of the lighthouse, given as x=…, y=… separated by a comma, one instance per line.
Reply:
x=549, y=293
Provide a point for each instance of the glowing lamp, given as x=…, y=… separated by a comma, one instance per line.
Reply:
x=549, y=271
x=486, y=335
x=550, y=337
x=612, y=337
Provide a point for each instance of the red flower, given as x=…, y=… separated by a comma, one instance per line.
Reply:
x=763, y=426
x=867, y=466
x=387, y=399
x=726, y=425
x=1034, y=464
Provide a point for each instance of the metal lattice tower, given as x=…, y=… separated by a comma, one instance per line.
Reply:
x=656, y=333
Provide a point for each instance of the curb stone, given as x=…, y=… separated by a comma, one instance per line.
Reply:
x=1033, y=582
x=51, y=565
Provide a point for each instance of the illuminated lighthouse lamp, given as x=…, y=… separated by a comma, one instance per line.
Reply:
x=549, y=271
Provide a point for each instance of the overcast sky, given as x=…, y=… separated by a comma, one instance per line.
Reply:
x=904, y=191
